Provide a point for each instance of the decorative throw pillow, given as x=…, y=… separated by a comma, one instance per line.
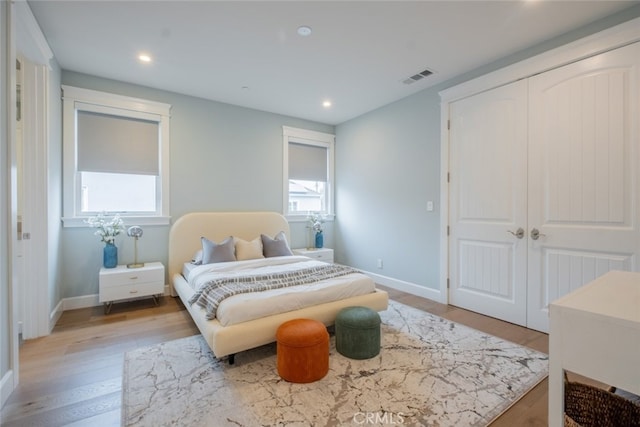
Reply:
x=275, y=247
x=248, y=250
x=218, y=252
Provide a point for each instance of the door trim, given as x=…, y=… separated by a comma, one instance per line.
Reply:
x=611, y=38
x=22, y=35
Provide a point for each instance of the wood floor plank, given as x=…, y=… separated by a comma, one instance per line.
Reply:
x=59, y=399
x=66, y=415
x=73, y=376
x=106, y=419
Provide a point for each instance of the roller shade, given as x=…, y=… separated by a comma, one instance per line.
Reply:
x=116, y=144
x=307, y=162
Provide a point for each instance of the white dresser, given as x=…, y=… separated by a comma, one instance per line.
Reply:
x=321, y=254
x=122, y=283
x=595, y=332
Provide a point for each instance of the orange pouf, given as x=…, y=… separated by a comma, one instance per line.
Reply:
x=303, y=350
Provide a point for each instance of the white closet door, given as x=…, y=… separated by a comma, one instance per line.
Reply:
x=583, y=175
x=488, y=161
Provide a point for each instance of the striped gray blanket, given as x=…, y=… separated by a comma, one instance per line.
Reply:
x=211, y=294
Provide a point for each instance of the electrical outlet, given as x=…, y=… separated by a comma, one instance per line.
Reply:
x=380, y=263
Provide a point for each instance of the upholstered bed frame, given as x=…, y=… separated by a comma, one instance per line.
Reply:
x=184, y=241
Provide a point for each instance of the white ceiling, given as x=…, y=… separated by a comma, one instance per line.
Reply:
x=249, y=54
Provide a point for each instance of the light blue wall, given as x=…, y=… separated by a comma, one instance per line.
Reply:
x=223, y=158
x=388, y=167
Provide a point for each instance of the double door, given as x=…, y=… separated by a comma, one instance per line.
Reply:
x=544, y=186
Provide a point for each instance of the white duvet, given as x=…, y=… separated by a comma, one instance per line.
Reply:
x=250, y=306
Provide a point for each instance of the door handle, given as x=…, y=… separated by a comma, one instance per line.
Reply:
x=536, y=234
x=519, y=233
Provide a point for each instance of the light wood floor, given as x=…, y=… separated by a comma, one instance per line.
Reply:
x=74, y=376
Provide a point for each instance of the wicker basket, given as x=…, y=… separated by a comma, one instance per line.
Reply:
x=588, y=406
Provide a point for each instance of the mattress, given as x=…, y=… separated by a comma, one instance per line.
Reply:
x=244, y=307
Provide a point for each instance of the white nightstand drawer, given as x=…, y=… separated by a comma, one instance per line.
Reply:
x=131, y=291
x=124, y=283
x=322, y=254
x=121, y=275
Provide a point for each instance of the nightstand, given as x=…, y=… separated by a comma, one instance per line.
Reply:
x=321, y=254
x=122, y=283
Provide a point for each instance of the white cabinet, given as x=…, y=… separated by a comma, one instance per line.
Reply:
x=595, y=332
x=321, y=254
x=122, y=283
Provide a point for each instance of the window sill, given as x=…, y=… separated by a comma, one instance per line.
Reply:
x=305, y=218
x=128, y=220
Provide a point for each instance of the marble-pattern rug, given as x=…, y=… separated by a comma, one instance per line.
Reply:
x=430, y=372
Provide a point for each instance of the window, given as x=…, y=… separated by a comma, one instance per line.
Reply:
x=308, y=172
x=116, y=157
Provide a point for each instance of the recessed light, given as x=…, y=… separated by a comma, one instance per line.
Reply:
x=326, y=104
x=143, y=57
x=304, y=30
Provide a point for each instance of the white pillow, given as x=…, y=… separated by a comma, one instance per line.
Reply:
x=248, y=250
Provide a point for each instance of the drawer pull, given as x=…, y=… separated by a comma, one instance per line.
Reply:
x=133, y=278
x=133, y=292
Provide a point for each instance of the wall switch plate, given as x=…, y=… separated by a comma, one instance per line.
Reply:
x=379, y=263
x=430, y=206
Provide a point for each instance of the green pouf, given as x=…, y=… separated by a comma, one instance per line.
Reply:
x=358, y=332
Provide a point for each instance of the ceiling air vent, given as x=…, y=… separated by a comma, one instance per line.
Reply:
x=421, y=75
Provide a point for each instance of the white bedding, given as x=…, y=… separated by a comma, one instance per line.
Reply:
x=244, y=307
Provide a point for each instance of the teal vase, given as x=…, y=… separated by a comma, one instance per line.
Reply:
x=319, y=239
x=110, y=256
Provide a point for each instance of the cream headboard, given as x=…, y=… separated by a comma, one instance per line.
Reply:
x=184, y=237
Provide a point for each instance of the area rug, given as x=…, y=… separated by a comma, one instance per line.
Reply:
x=430, y=372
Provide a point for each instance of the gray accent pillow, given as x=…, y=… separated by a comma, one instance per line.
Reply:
x=218, y=252
x=275, y=247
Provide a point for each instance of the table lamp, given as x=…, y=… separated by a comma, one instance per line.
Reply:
x=135, y=232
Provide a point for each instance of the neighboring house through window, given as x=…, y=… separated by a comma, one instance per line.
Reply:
x=308, y=172
x=116, y=157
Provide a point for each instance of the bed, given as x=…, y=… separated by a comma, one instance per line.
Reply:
x=238, y=335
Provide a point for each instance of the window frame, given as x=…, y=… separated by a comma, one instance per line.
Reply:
x=78, y=99
x=318, y=139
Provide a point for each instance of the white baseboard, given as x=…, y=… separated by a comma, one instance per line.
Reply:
x=408, y=287
x=80, y=302
x=55, y=315
x=83, y=302
x=70, y=304
x=6, y=387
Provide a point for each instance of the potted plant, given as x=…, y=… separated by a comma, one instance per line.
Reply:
x=107, y=230
x=316, y=224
